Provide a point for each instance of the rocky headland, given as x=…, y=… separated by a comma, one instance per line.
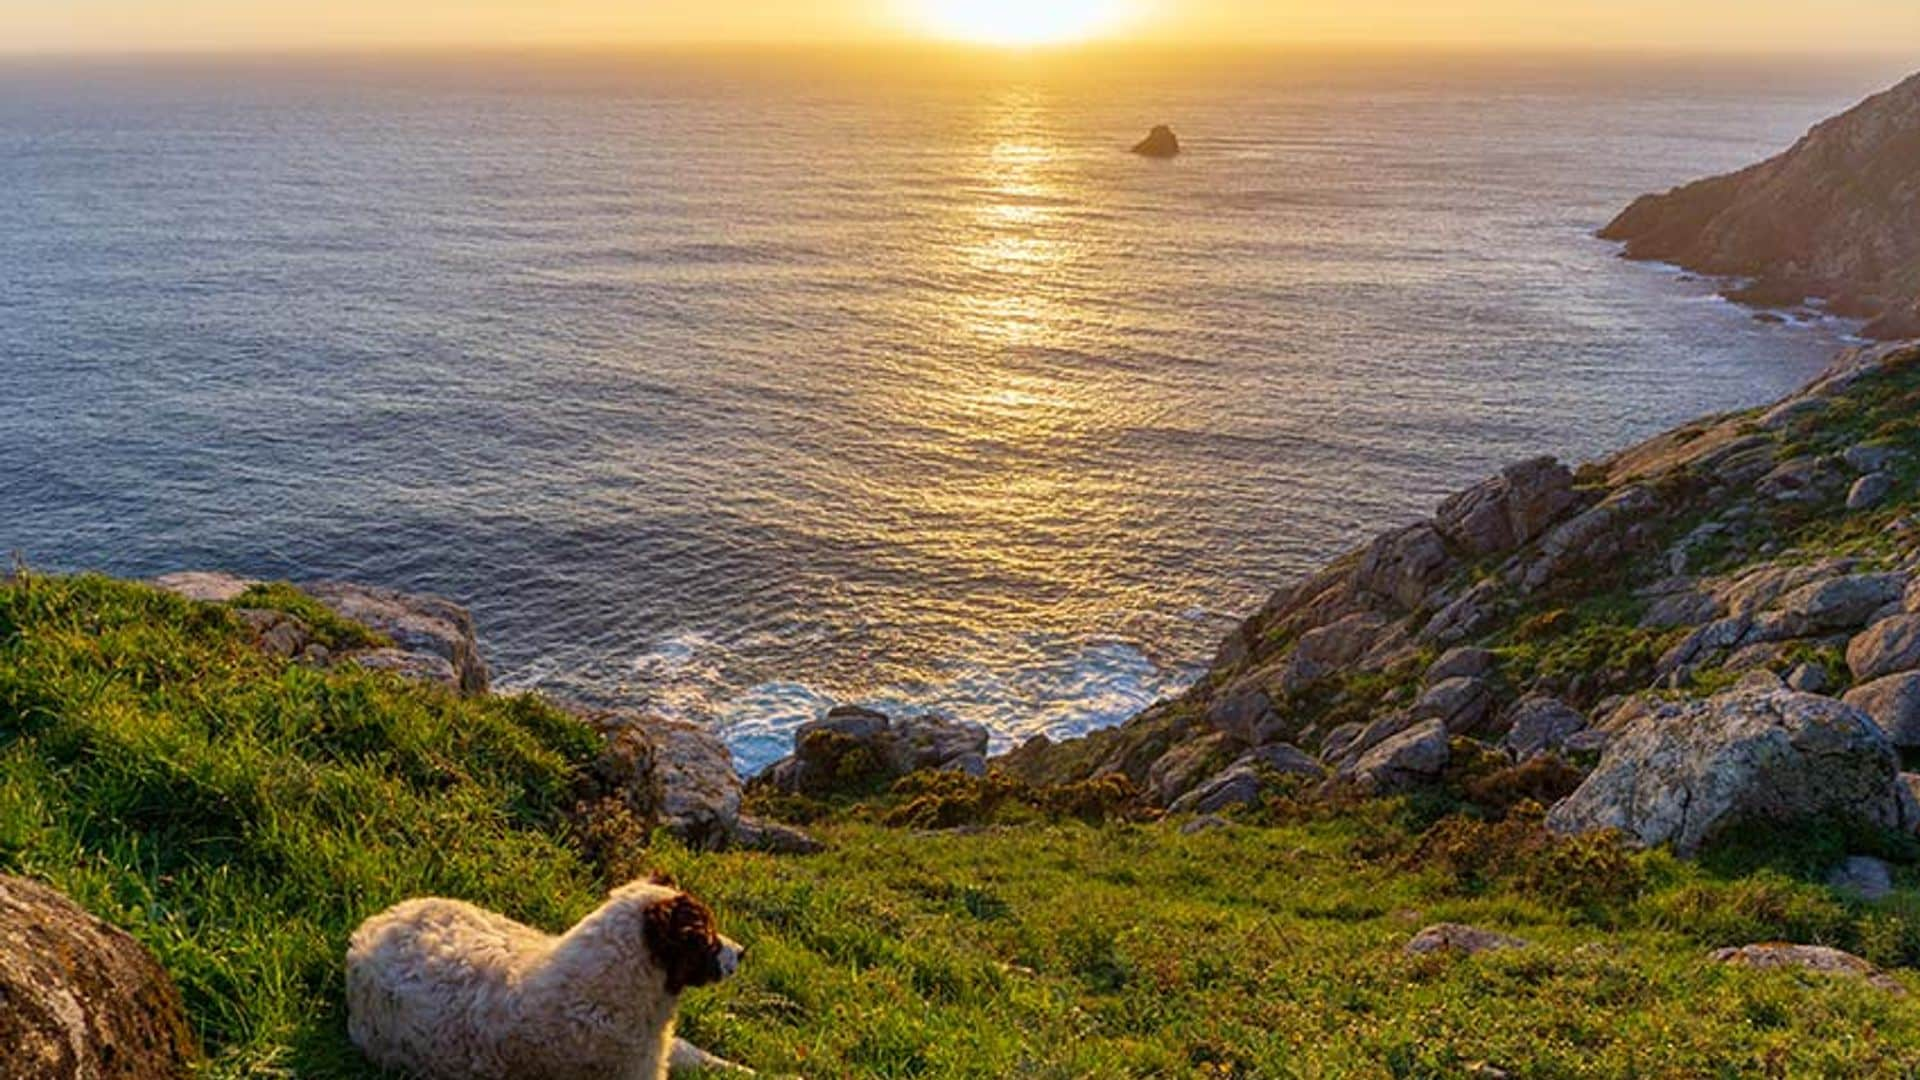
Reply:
x=1836, y=218
x=1718, y=626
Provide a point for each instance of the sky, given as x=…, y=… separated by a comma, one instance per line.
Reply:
x=1829, y=26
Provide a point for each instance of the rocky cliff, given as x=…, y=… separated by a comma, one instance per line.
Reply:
x=1728, y=613
x=1836, y=217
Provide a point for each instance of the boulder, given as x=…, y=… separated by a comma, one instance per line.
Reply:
x=1869, y=491
x=1539, y=725
x=1244, y=713
x=1182, y=768
x=680, y=770
x=774, y=838
x=1802, y=480
x=1778, y=956
x=1243, y=782
x=852, y=744
x=1460, y=663
x=1871, y=457
x=1888, y=647
x=205, y=586
x=80, y=998
x=1324, y=650
x=1467, y=616
x=1461, y=939
x=1462, y=704
x=1414, y=757
x=1862, y=876
x=1685, y=771
x=1161, y=142
x=1404, y=566
x=1508, y=511
x=1842, y=603
x=1893, y=703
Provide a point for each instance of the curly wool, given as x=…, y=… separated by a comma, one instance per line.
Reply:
x=448, y=991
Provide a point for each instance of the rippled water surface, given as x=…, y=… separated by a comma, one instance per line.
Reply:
x=737, y=387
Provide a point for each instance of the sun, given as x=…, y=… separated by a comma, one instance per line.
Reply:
x=1020, y=22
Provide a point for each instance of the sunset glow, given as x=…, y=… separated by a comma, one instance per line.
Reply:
x=1021, y=22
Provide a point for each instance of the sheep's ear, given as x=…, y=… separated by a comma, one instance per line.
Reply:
x=661, y=877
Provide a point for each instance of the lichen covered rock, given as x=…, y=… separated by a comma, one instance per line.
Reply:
x=1684, y=772
x=81, y=999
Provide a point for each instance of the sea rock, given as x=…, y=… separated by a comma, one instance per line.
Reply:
x=1686, y=771
x=1835, y=216
x=433, y=638
x=1413, y=757
x=1869, y=491
x=1538, y=725
x=1161, y=142
x=1509, y=510
x=81, y=1000
x=416, y=623
x=1809, y=678
x=1887, y=647
x=1467, y=616
x=1777, y=956
x=1462, y=939
x=1326, y=649
x=856, y=744
x=1894, y=704
x=419, y=667
x=1690, y=607
x=1243, y=782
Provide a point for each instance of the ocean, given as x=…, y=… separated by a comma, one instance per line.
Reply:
x=736, y=385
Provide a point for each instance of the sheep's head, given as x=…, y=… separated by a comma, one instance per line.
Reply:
x=683, y=942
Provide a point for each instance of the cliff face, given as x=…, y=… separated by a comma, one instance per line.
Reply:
x=1548, y=612
x=1835, y=217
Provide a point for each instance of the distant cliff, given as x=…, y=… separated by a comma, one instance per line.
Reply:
x=1837, y=217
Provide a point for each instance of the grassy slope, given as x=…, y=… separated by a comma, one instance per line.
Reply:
x=1069, y=951
x=241, y=815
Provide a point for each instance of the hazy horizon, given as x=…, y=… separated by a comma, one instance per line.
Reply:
x=1849, y=27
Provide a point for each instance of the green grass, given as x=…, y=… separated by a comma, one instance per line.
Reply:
x=240, y=815
x=327, y=628
x=1069, y=951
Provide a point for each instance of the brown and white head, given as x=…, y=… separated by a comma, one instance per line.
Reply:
x=682, y=942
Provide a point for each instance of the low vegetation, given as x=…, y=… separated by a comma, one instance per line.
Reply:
x=240, y=814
